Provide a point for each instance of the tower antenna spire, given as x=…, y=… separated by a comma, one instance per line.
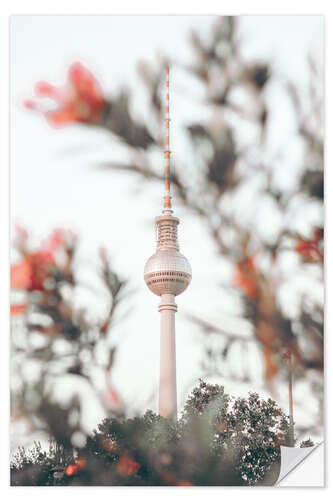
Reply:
x=167, y=196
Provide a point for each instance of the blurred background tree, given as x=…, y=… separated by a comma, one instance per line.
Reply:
x=258, y=199
x=60, y=353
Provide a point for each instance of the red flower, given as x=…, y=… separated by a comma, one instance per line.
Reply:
x=309, y=249
x=246, y=277
x=41, y=263
x=71, y=470
x=126, y=466
x=20, y=275
x=16, y=309
x=36, y=267
x=80, y=100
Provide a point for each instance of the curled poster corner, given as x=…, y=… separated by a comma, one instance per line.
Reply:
x=291, y=458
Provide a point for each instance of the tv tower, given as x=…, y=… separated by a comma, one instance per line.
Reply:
x=167, y=273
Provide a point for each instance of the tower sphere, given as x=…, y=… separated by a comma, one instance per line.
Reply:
x=167, y=271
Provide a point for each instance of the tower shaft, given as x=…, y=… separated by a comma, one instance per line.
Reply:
x=168, y=381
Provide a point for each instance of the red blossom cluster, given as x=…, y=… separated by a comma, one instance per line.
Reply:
x=80, y=100
x=73, y=469
x=246, y=277
x=126, y=466
x=309, y=248
x=35, y=272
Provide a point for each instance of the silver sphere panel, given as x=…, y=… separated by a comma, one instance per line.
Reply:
x=167, y=271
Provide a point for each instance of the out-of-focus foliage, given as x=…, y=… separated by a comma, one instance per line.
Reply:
x=52, y=339
x=307, y=443
x=219, y=440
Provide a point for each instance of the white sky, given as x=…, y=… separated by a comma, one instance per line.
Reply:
x=54, y=184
